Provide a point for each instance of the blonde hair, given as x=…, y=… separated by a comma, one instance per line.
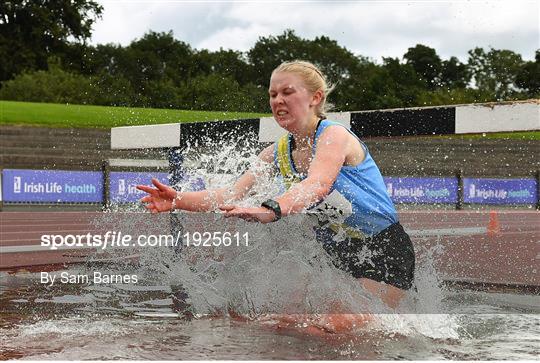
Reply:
x=314, y=80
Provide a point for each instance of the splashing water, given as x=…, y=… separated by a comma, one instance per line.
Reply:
x=284, y=269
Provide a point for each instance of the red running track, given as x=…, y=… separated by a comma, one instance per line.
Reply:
x=501, y=247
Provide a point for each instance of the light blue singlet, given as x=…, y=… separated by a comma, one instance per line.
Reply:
x=359, y=190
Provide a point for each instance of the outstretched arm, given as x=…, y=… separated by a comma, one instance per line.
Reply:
x=334, y=146
x=163, y=198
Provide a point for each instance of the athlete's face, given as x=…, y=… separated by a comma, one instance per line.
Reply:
x=290, y=100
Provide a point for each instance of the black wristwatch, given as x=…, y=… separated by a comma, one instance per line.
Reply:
x=273, y=206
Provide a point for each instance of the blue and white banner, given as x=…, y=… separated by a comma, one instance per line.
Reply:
x=122, y=185
x=422, y=190
x=55, y=186
x=499, y=191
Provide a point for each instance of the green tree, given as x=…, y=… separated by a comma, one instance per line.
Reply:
x=103, y=58
x=496, y=71
x=342, y=68
x=363, y=90
x=442, y=96
x=454, y=74
x=159, y=56
x=226, y=62
x=257, y=96
x=268, y=52
x=404, y=84
x=112, y=90
x=426, y=63
x=215, y=92
x=32, y=31
x=528, y=77
x=53, y=85
x=336, y=62
x=155, y=62
x=392, y=84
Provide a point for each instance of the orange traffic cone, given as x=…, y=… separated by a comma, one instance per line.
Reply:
x=494, y=227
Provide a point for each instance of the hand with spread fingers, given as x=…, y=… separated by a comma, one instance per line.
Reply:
x=159, y=199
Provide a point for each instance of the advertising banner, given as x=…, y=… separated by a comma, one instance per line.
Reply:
x=499, y=191
x=53, y=186
x=422, y=190
x=123, y=185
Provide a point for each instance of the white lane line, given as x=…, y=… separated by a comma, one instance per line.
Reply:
x=466, y=231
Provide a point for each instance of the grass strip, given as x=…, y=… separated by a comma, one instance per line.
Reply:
x=67, y=115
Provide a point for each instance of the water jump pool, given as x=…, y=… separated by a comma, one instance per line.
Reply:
x=476, y=293
x=143, y=321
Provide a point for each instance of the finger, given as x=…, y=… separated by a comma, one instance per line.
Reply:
x=227, y=208
x=146, y=189
x=231, y=213
x=146, y=199
x=162, y=187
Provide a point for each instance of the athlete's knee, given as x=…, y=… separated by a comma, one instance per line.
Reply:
x=389, y=294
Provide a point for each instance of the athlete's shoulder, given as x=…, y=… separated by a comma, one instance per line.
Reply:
x=334, y=129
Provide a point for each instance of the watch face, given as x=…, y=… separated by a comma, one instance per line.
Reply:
x=274, y=206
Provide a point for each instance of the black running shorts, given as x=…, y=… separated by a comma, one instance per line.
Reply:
x=386, y=257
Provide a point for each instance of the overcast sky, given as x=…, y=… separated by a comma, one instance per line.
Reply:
x=369, y=28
